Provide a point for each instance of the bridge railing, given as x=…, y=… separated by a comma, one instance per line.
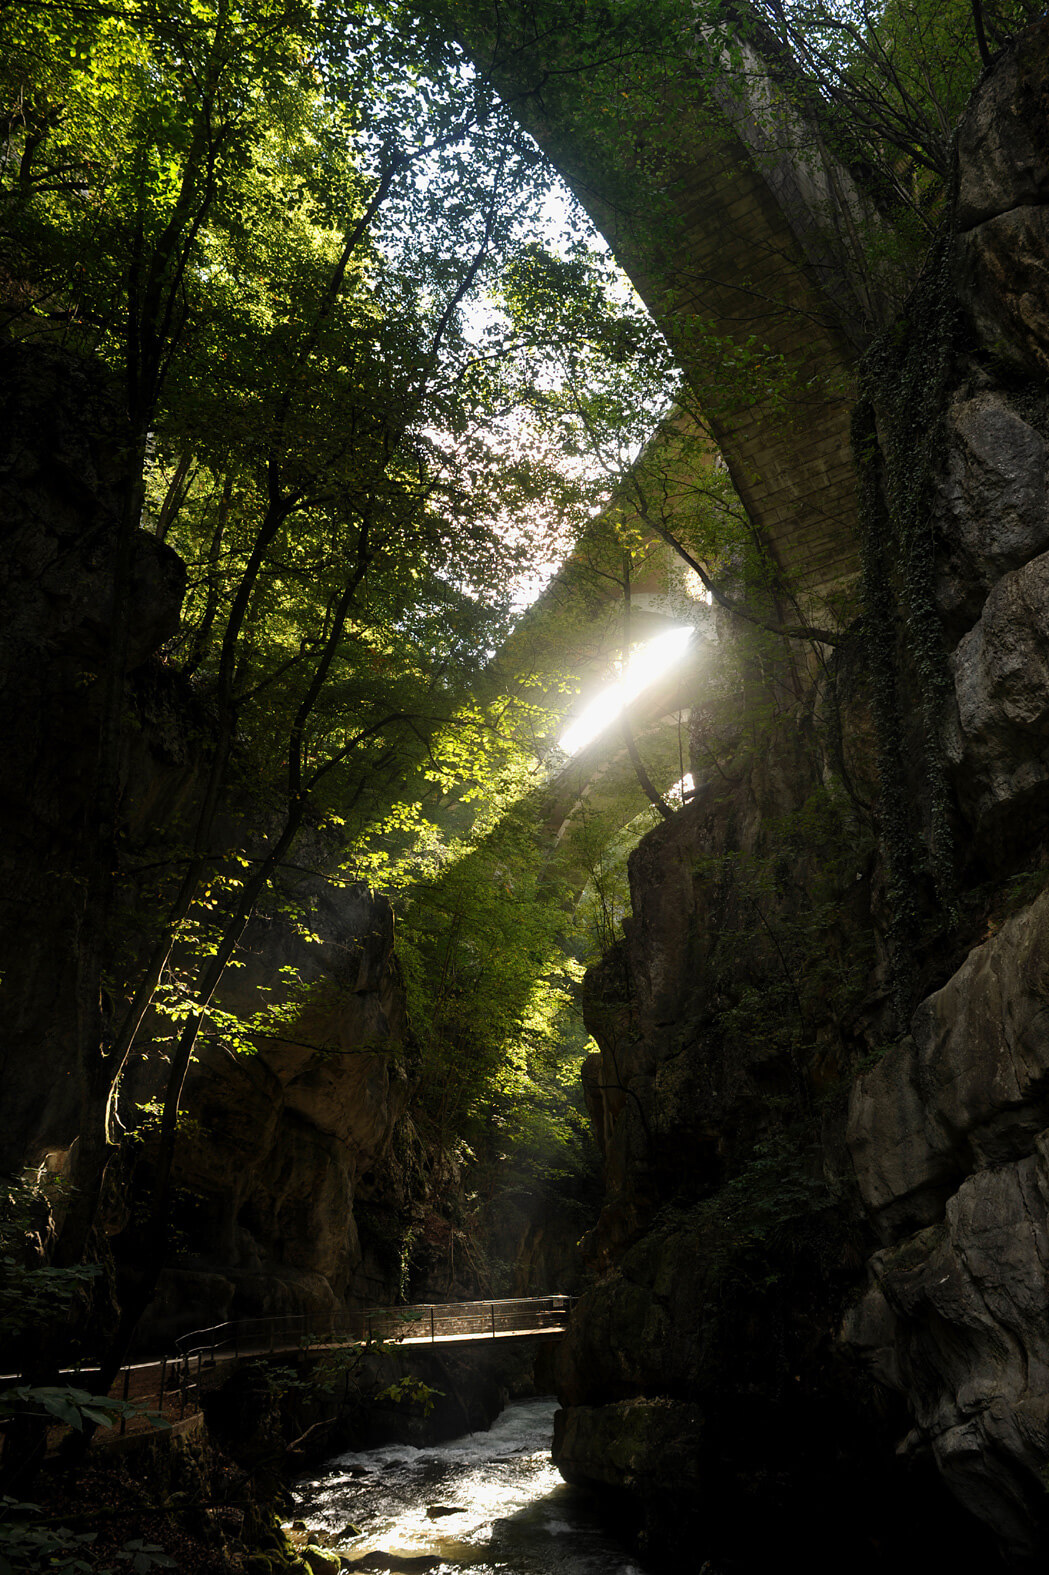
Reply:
x=419, y=1322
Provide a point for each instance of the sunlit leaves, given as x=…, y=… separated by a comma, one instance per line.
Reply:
x=304, y=239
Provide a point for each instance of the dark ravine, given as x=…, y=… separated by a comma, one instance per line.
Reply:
x=286, y=1140
x=818, y=1302
x=821, y=1276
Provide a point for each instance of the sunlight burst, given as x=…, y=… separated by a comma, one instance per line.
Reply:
x=650, y=662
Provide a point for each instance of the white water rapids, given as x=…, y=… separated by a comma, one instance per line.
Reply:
x=512, y=1514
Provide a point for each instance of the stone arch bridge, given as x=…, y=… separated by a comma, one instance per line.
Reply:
x=744, y=237
x=742, y=234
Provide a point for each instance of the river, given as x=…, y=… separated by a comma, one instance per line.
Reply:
x=511, y=1512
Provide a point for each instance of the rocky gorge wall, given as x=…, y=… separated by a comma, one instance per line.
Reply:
x=61, y=435
x=294, y=1191
x=821, y=1276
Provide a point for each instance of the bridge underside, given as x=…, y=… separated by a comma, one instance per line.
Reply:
x=732, y=234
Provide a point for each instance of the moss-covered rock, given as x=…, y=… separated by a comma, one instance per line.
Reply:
x=320, y=1561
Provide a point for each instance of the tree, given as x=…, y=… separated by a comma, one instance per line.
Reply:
x=894, y=79
x=271, y=222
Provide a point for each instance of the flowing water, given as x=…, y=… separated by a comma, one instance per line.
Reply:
x=511, y=1512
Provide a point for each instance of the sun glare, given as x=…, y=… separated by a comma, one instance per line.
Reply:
x=653, y=659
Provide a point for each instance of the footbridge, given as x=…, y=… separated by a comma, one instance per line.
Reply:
x=450, y=1325
x=423, y=1323
x=169, y=1388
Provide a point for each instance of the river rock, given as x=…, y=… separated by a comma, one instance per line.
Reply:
x=319, y=1560
x=647, y=1448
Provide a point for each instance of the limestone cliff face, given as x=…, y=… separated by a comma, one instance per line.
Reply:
x=700, y=1378
x=948, y=1132
x=793, y=1212
x=292, y=1198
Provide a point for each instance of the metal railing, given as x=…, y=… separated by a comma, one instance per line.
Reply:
x=426, y=1322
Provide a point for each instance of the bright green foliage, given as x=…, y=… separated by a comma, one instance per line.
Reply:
x=481, y=944
x=366, y=406
x=601, y=846
x=278, y=226
x=411, y=1391
x=597, y=366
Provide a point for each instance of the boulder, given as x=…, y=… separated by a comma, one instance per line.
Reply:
x=320, y=1561
x=968, y=1087
x=1003, y=136
x=642, y=1449
x=1002, y=214
x=956, y=1316
x=991, y=513
x=1003, y=268
x=998, y=738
